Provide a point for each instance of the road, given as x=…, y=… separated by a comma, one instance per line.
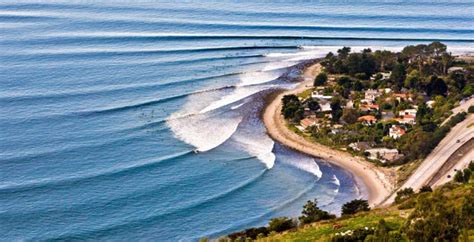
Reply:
x=460, y=134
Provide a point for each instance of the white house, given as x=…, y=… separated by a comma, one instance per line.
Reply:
x=372, y=94
x=396, y=131
x=318, y=95
x=407, y=112
x=383, y=154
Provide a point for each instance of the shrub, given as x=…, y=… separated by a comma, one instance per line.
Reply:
x=355, y=206
x=320, y=79
x=471, y=109
x=404, y=194
x=281, y=224
x=425, y=188
x=463, y=176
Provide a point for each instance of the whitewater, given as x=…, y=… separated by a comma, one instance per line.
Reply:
x=141, y=120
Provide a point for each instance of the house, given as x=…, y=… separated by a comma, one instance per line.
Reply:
x=360, y=146
x=369, y=107
x=318, y=95
x=407, y=112
x=350, y=104
x=430, y=103
x=308, y=122
x=396, y=131
x=387, y=115
x=403, y=97
x=407, y=119
x=384, y=76
x=325, y=106
x=383, y=154
x=367, y=120
x=371, y=94
x=385, y=90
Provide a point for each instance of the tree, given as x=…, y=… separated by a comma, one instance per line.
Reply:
x=355, y=206
x=350, y=115
x=336, y=110
x=291, y=108
x=344, y=52
x=281, y=224
x=398, y=74
x=463, y=176
x=320, y=79
x=437, y=48
x=313, y=105
x=383, y=58
x=437, y=86
x=312, y=213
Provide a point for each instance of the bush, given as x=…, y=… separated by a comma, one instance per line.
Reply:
x=281, y=224
x=320, y=79
x=463, y=176
x=425, y=188
x=471, y=109
x=403, y=194
x=355, y=206
x=252, y=233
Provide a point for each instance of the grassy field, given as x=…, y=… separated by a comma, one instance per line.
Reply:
x=395, y=216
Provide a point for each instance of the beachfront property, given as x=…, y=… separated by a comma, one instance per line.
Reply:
x=383, y=154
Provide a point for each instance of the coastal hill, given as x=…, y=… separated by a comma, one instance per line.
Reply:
x=402, y=123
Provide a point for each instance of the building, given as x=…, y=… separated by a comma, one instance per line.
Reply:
x=325, y=106
x=407, y=119
x=367, y=120
x=318, y=95
x=403, y=97
x=396, y=131
x=407, y=112
x=430, y=103
x=383, y=154
x=361, y=146
x=384, y=76
x=371, y=95
x=308, y=122
x=369, y=107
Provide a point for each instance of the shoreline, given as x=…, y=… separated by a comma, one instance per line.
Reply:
x=375, y=179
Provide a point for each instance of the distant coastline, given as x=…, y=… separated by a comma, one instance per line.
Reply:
x=375, y=179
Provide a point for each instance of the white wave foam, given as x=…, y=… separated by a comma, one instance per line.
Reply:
x=257, y=144
x=307, y=164
x=335, y=180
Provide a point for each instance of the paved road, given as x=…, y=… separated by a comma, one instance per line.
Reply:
x=458, y=135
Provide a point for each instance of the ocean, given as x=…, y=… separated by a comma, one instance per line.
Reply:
x=125, y=120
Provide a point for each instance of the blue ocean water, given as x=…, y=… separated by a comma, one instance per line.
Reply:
x=103, y=105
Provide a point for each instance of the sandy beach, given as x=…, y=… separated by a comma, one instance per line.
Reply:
x=379, y=182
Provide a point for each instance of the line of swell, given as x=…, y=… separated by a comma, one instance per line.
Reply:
x=157, y=51
x=150, y=218
x=244, y=37
x=117, y=88
x=61, y=181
